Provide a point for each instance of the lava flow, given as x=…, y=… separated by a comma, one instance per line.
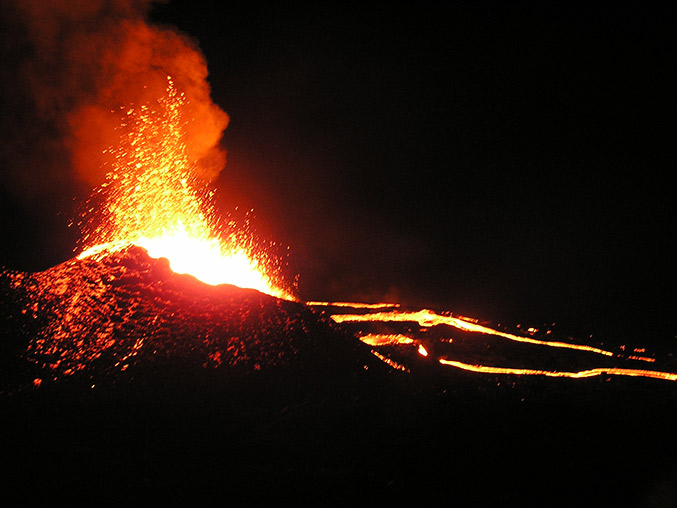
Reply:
x=154, y=199
x=388, y=329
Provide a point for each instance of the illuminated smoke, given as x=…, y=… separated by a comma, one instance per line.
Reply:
x=152, y=198
x=131, y=104
x=80, y=60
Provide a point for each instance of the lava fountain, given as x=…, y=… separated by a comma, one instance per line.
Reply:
x=153, y=198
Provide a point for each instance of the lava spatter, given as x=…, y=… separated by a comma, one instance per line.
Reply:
x=113, y=317
x=153, y=198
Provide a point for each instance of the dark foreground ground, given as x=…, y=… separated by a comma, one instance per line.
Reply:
x=274, y=440
x=234, y=398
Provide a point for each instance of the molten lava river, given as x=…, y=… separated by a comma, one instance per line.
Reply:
x=397, y=335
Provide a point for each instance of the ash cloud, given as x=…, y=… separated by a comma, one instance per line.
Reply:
x=70, y=68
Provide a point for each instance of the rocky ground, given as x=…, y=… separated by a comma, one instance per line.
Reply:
x=122, y=382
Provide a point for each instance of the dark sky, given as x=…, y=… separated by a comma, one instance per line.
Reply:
x=508, y=163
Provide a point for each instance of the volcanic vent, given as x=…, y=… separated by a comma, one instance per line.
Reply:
x=125, y=316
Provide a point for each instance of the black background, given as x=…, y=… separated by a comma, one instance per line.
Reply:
x=504, y=162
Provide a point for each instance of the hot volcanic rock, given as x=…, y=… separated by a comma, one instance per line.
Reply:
x=119, y=378
x=123, y=383
x=126, y=318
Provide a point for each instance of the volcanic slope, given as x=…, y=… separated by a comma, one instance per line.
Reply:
x=119, y=357
x=123, y=382
x=125, y=318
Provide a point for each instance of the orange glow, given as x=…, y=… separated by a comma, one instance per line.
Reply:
x=390, y=362
x=466, y=318
x=642, y=359
x=153, y=199
x=378, y=339
x=668, y=376
x=429, y=318
x=355, y=305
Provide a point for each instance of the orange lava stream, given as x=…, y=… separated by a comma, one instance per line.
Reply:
x=668, y=376
x=383, y=339
x=388, y=361
x=355, y=305
x=642, y=359
x=428, y=318
x=155, y=200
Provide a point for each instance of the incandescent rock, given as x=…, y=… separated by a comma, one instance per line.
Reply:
x=127, y=319
x=120, y=378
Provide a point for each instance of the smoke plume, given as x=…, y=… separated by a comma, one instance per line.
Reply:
x=72, y=68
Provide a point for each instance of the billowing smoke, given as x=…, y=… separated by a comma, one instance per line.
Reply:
x=71, y=68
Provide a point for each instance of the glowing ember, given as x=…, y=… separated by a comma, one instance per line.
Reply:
x=154, y=199
x=642, y=359
x=389, y=361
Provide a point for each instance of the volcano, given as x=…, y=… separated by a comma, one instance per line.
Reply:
x=119, y=362
x=126, y=316
x=123, y=381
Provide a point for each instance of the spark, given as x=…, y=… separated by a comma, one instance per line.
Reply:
x=154, y=199
x=388, y=361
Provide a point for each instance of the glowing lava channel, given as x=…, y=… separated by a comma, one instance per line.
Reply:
x=667, y=376
x=427, y=318
x=382, y=339
x=154, y=199
x=355, y=305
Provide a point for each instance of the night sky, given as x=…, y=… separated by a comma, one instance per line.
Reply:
x=507, y=163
